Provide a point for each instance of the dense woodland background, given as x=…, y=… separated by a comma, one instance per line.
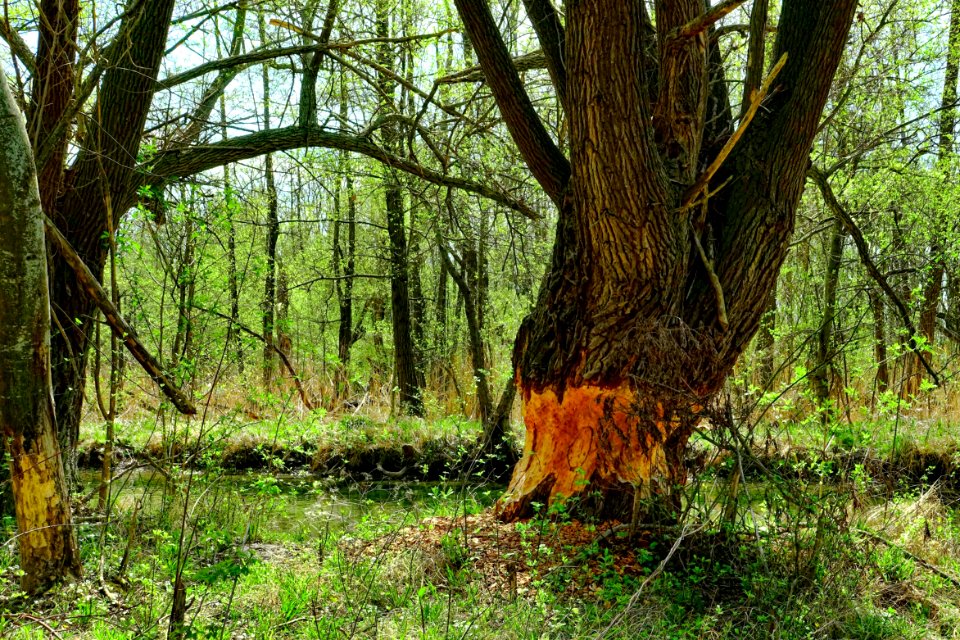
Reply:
x=300, y=247
x=331, y=225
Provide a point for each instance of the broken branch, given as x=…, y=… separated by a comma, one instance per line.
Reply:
x=703, y=22
x=714, y=282
x=758, y=96
x=117, y=324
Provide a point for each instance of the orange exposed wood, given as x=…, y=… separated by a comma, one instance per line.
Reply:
x=591, y=437
x=48, y=548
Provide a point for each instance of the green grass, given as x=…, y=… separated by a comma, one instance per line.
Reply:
x=808, y=573
x=276, y=556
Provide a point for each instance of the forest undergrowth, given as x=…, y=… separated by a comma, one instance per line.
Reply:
x=325, y=526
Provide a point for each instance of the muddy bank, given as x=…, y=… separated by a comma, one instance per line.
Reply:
x=908, y=466
x=428, y=460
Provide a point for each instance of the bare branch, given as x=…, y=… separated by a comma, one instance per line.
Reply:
x=525, y=62
x=702, y=22
x=18, y=46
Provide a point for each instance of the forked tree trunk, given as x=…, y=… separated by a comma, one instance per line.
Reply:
x=108, y=148
x=48, y=548
x=631, y=335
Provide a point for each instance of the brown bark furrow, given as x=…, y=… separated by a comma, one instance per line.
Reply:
x=620, y=199
x=678, y=117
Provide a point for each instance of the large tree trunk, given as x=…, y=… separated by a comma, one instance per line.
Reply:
x=48, y=549
x=658, y=280
x=97, y=185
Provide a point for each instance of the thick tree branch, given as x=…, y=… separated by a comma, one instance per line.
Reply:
x=755, y=100
x=550, y=32
x=219, y=84
x=820, y=179
x=545, y=160
x=238, y=61
x=187, y=161
x=678, y=114
x=118, y=325
x=769, y=165
x=17, y=46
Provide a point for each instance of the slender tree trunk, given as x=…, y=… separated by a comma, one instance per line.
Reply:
x=933, y=287
x=406, y=370
x=344, y=261
x=268, y=308
x=417, y=303
x=233, y=281
x=475, y=335
x=823, y=369
x=766, y=342
x=879, y=340
x=186, y=288
x=440, y=336
x=48, y=548
x=284, y=338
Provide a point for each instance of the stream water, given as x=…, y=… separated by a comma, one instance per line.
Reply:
x=300, y=506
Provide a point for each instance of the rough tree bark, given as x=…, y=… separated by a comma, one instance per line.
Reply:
x=631, y=335
x=48, y=548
